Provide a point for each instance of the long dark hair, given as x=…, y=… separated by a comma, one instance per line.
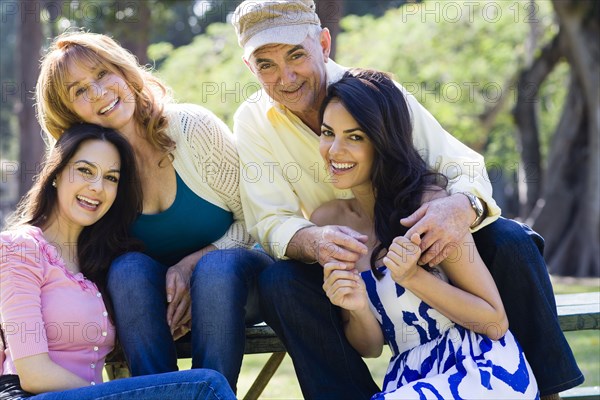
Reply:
x=99, y=243
x=399, y=175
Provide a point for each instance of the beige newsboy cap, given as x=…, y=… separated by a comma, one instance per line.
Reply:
x=261, y=22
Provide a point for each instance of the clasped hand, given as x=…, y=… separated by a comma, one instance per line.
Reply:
x=344, y=286
x=402, y=257
x=179, y=313
x=338, y=250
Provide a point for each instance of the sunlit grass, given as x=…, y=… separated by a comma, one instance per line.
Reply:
x=586, y=348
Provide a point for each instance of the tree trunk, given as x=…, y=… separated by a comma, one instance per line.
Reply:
x=54, y=9
x=569, y=215
x=525, y=114
x=330, y=13
x=132, y=27
x=29, y=44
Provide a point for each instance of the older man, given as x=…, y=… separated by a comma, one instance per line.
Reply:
x=283, y=182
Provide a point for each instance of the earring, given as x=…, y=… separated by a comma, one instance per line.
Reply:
x=54, y=182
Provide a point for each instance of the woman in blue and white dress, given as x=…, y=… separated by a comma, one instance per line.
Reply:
x=435, y=358
x=446, y=325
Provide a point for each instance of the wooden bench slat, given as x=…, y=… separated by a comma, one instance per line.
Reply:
x=579, y=311
x=262, y=339
x=585, y=309
x=579, y=322
x=263, y=345
x=577, y=298
x=259, y=339
x=260, y=331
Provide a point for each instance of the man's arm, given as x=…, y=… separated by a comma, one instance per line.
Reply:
x=273, y=210
x=325, y=244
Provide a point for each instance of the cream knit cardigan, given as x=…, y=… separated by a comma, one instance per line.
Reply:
x=207, y=161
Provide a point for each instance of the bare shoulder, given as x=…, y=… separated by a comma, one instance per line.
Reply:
x=334, y=212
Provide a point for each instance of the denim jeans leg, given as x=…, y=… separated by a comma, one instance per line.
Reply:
x=137, y=287
x=224, y=302
x=513, y=254
x=294, y=304
x=198, y=384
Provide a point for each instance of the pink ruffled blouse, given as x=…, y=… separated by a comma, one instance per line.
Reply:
x=44, y=308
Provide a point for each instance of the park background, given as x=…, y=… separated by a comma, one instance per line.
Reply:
x=516, y=80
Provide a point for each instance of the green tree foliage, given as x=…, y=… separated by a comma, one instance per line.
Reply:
x=209, y=71
x=460, y=60
x=172, y=21
x=371, y=7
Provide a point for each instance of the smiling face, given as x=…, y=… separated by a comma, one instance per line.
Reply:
x=294, y=75
x=346, y=149
x=87, y=186
x=101, y=96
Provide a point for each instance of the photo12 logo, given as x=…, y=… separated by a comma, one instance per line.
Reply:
x=54, y=11
x=470, y=11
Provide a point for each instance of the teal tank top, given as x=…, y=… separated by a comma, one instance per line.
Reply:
x=188, y=225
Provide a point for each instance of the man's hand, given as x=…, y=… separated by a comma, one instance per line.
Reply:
x=178, y=296
x=331, y=243
x=340, y=243
x=440, y=223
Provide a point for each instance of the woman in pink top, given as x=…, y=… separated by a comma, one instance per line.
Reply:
x=56, y=327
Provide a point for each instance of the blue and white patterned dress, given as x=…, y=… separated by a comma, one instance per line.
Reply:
x=433, y=358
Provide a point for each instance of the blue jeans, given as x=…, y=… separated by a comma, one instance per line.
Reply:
x=197, y=384
x=224, y=301
x=295, y=306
